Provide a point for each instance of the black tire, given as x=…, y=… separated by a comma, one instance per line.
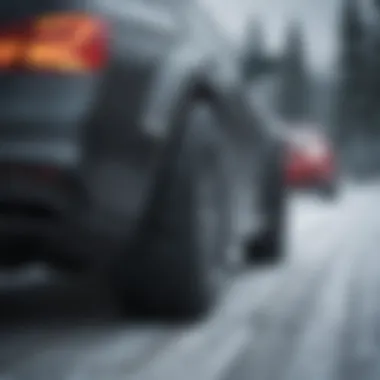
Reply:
x=269, y=246
x=180, y=254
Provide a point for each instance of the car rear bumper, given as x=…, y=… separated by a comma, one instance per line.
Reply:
x=50, y=206
x=51, y=188
x=46, y=197
x=87, y=241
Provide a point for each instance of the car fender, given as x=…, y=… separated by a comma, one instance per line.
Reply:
x=176, y=77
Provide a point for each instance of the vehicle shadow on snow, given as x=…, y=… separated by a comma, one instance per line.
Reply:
x=59, y=302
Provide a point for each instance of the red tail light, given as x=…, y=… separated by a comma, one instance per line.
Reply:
x=67, y=42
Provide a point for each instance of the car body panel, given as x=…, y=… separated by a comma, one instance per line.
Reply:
x=89, y=146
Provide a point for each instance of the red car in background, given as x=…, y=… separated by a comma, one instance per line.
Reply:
x=311, y=161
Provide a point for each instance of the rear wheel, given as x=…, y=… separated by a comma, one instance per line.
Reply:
x=180, y=266
x=269, y=246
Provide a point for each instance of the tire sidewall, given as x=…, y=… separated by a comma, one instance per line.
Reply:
x=202, y=159
x=171, y=272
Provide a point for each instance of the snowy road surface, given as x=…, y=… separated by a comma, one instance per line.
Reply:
x=316, y=317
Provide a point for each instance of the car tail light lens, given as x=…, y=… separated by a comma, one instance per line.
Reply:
x=67, y=42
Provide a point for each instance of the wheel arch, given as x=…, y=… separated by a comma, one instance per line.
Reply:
x=196, y=91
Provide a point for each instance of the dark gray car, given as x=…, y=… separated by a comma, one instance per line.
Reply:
x=124, y=127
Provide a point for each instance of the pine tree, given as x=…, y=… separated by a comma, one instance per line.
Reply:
x=294, y=87
x=373, y=74
x=255, y=55
x=352, y=85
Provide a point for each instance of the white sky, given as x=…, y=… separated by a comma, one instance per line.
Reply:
x=319, y=18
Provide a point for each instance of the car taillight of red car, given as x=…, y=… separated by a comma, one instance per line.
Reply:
x=309, y=162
